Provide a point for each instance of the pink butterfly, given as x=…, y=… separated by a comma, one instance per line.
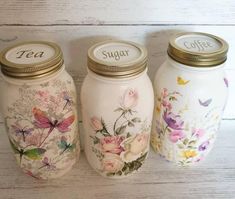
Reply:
x=42, y=121
x=47, y=164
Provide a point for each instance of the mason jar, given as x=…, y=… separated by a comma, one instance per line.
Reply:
x=191, y=92
x=117, y=107
x=39, y=106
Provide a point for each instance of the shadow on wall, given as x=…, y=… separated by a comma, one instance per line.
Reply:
x=156, y=44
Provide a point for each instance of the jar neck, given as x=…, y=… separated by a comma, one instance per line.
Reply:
x=193, y=68
x=113, y=79
x=33, y=81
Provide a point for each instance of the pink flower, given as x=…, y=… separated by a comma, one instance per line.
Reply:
x=173, y=121
x=166, y=104
x=129, y=99
x=176, y=135
x=164, y=92
x=112, y=163
x=198, y=132
x=96, y=124
x=111, y=144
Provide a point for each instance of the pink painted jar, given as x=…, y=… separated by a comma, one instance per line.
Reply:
x=39, y=105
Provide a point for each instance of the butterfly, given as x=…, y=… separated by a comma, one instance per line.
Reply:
x=226, y=82
x=64, y=145
x=181, y=81
x=46, y=164
x=42, y=121
x=33, y=154
x=22, y=131
x=205, y=103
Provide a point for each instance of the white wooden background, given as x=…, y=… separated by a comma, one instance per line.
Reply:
x=76, y=25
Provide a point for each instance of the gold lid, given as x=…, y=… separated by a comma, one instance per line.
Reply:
x=198, y=49
x=30, y=60
x=117, y=59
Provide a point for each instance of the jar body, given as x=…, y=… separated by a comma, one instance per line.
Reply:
x=189, y=103
x=42, y=125
x=117, y=116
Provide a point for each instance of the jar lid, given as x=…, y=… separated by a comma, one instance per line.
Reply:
x=30, y=60
x=117, y=59
x=198, y=49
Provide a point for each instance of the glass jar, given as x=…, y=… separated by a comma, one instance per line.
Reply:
x=117, y=107
x=39, y=104
x=191, y=92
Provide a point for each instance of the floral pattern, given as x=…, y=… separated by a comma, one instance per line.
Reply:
x=42, y=128
x=178, y=138
x=119, y=151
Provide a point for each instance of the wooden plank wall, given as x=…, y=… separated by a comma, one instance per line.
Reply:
x=77, y=24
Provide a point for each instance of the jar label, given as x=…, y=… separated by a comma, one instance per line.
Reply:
x=116, y=52
x=30, y=53
x=198, y=43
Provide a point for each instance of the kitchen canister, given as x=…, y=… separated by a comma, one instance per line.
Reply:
x=191, y=92
x=39, y=105
x=117, y=107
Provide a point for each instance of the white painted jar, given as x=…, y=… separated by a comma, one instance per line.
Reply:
x=191, y=92
x=117, y=106
x=39, y=105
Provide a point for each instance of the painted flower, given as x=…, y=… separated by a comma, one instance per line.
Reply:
x=164, y=93
x=135, y=146
x=112, y=144
x=129, y=99
x=189, y=154
x=173, y=121
x=34, y=139
x=112, y=163
x=204, y=146
x=96, y=124
x=166, y=104
x=176, y=135
x=198, y=132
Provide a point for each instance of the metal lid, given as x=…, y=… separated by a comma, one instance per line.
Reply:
x=117, y=59
x=198, y=49
x=30, y=60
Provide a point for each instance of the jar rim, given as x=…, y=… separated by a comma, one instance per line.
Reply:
x=117, y=69
x=32, y=70
x=198, y=58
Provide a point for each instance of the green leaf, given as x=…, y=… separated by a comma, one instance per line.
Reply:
x=185, y=141
x=35, y=154
x=180, y=146
x=118, y=109
x=136, y=119
x=15, y=149
x=110, y=174
x=96, y=140
x=142, y=158
x=130, y=124
x=128, y=135
x=121, y=130
x=192, y=142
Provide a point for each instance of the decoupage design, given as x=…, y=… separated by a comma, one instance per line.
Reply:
x=42, y=128
x=121, y=146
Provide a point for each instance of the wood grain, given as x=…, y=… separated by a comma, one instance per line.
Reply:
x=214, y=178
x=54, y=12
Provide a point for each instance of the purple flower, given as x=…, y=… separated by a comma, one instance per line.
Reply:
x=204, y=146
x=173, y=121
